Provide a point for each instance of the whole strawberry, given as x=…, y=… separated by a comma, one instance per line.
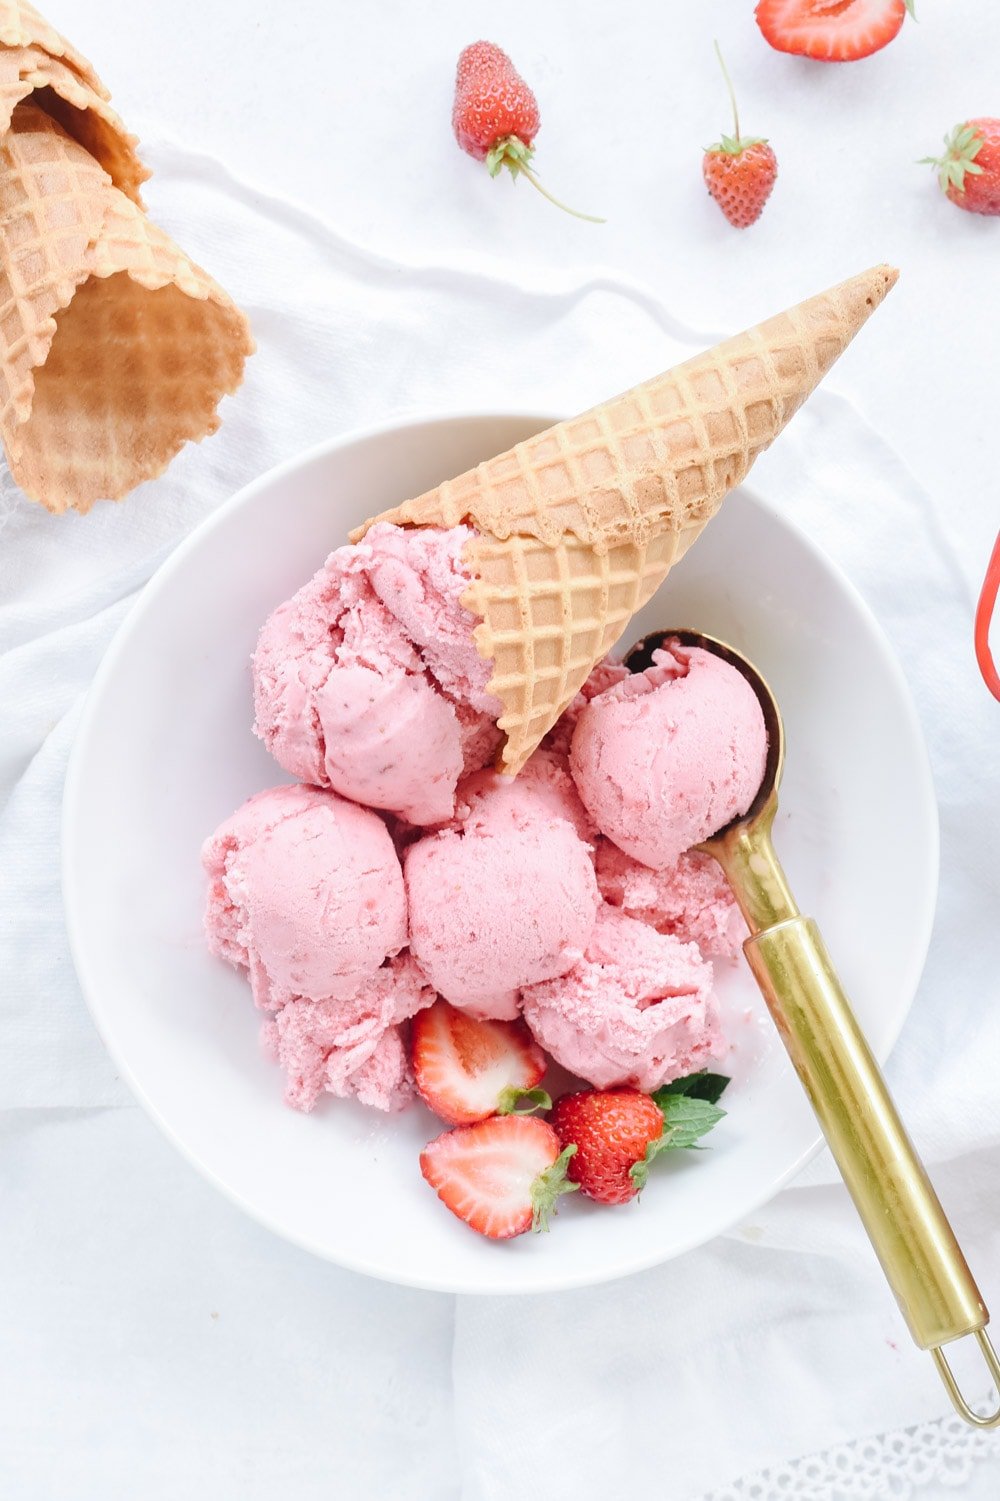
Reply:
x=739, y=170
x=969, y=171
x=495, y=116
x=494, y=110
x=618, y=1132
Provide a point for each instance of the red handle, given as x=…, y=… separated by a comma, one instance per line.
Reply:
x=984, y=614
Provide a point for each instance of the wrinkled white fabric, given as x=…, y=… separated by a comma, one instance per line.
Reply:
x=776, y=1350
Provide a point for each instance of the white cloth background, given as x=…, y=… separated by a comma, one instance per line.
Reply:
x=155, y=1342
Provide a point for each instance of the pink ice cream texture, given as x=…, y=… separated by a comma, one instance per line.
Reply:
x=691, y=900
x=637, y=1009
x=355, y=1047
x=504, y=901
x=305, y=893
x=543, y=789
x=368, y=679
x=667, y=757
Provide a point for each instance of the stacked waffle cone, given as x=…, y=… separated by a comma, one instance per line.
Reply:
x=115, y=348
x=576, y=528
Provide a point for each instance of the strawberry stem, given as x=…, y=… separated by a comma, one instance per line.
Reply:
x=590, y=218
x=514, y=154
x=729, y=89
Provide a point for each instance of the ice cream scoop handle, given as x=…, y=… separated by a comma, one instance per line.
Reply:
x=901, y=1212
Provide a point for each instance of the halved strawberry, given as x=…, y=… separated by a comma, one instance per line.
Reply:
x=501, y=1176
x=833, y=31
x=466, y=1070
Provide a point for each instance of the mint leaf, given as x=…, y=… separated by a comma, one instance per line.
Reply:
x=685, y=1121
x=700, y=1086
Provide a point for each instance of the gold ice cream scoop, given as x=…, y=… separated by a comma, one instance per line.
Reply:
x=913, y=1240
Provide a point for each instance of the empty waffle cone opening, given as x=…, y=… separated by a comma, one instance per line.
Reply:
x=30, y=75
x=97, y=128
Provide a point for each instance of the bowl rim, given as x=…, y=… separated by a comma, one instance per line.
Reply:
x=538, y=1281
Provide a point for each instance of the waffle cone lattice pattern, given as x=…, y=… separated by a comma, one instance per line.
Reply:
x=666, y=453
x=115, y=348
x=579, y=525
x=550, y=613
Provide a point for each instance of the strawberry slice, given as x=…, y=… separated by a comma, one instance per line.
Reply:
x=466, y=1070
x=502, y=1176
x=834, y=31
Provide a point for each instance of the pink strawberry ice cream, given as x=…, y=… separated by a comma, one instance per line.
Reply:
x=691, y=900
x=601, y=677
x=355, y=1047
x=305, y=893
x=637, y=1008
x=504, y=901
x=666, y=757
x=542, y=789
x=368, y=679
x=420, y=577
x=408, y=868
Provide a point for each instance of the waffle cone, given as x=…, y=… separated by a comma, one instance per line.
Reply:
x=22, y=26
x=116, y=349
x=578, y=526
x=82, y=111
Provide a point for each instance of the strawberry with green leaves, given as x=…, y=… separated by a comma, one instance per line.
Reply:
x=618, y=1133
x=969, y=171
x=739, y=171
x=495, y=116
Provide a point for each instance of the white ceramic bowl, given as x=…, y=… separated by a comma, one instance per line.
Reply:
x=165, y=751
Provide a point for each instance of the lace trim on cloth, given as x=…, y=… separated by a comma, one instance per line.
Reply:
x=890, y=1467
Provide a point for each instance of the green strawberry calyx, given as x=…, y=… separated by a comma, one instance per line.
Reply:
x=547, y=1188
x=961, y=149
x=510, y=152
x=514, y=154
x=514, y=1101
x=736, y=145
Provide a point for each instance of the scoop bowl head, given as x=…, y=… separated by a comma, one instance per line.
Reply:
x=641, y=656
